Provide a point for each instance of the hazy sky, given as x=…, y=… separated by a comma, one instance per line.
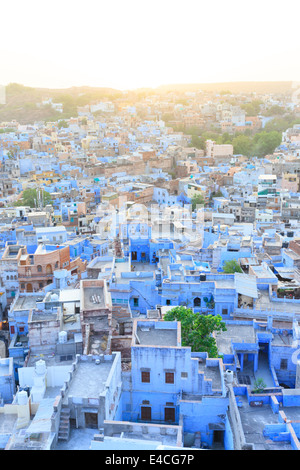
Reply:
x=135, y=43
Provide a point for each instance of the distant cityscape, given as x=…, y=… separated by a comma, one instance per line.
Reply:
x=150, y=268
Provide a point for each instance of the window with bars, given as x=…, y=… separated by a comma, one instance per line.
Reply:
x=169, y=377
x=145, y=376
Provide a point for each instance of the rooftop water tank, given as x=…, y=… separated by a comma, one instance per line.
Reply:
x=229, y=376
x=40, y=367
x=22, y=398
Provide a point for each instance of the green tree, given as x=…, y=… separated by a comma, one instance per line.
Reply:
x=197, y=200
x=242, y=145
x=197, y=142
x=281, y=123
x=62, y=123
x=253, y=108
x=30, y=198
x=232, y=266
x=274, y=110
x=197, y=329
x=266, y=142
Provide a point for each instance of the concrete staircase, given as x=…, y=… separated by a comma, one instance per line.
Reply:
x=64, y=425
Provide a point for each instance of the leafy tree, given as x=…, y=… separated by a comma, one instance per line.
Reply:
x=253, y=108
x=232, y=266
x=197, y=329
x=6, y=130
x=30, y=198
x=274, y=110
x=197, y=142
x=167, y=117
x=197, y=200
x=62, y=123
x=281, y=123
x=242, y=144
x=266, y=142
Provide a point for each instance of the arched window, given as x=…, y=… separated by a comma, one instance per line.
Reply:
x=39, y=268
x=197, y=302
x=49, y=269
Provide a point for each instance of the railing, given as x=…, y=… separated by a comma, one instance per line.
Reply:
x=155, y=421
x=253, y=313
x=36, y=276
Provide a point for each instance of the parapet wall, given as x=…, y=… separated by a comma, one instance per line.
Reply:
x=147, y=430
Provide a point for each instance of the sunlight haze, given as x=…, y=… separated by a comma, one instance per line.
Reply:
x=146, y=44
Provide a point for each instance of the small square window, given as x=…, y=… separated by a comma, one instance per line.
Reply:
x=184, y=375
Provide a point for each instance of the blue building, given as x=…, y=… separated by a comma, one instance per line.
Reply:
x=171, y=385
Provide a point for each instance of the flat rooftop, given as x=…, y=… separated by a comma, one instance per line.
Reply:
x=150, y=336
x=262, y=272
x=254, y=420
x=100, y=264
x=89, y=379
x=12, y=253
x=69, y=295
x=93, y=298
x=27, y=302
x=7, y=423
x=212, y=373
x=44, y=315
x=264, y=303
x=121, y=267
x=143, y=267
x=234, y=333
x=224, y=283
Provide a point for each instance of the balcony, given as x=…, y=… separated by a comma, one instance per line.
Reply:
x=35, y=276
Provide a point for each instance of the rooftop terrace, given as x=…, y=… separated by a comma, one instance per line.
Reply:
x=153, y=335
x=93, y=298
x=89, y=379
x=235, y=333
x=26, y=302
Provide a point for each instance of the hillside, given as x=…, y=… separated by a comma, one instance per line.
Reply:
x=21, y=102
